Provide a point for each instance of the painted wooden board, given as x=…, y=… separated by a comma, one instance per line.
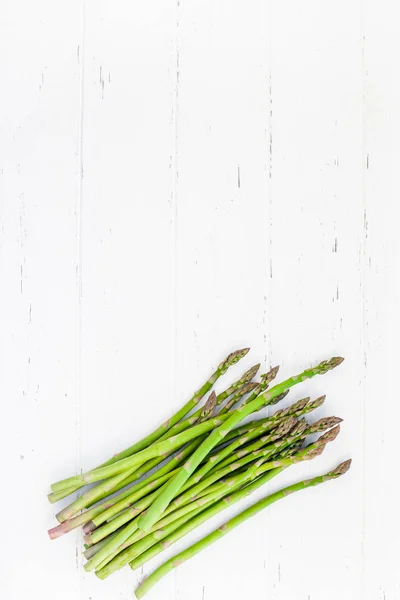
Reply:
x=179, y=179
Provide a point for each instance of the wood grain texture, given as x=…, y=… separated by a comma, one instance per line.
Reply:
x=177, y=179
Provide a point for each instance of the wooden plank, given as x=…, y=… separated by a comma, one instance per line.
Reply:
x=39, y=159
x=127, y=320
x=179, y=179
x=381, y=287
x=222, y=233
x=316, y=296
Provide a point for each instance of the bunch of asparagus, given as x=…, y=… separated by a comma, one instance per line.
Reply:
x=192, y=467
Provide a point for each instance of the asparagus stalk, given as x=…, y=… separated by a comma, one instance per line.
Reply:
x=65, y=516
x=245, y=378
x=213, y=461
x=111, y=473
x=179, y=517
x=289, y=451
x=150, y=483
x=192, y=489
x=199, y=416
x=179, y=558
x=114, y=484
x=160, y=432
x=194, y=418
x=257, y=467
x=195, y=504
x=191, y=494
x=129, y=516
x=92, y=550
x=260, y=427
x=298, y=408
x=163, y=528
x=137, y=551
x=206, y=489
x=301, y=430
x=146, y=467
x=169, y=524
x=301, y=407
x=131, y=513
x=208, y=408
x=262, y=386
x=127, y=500
x=246, y=389
x=231, y=484
x=276, y=434
x=94, y=494
x=230, y=360
x=269, y=422
x=266, y=379
x=118, y=483
x=173, y=486
x=236, y=465
x=116, y=519
x=126, y=517
x=115, y=542
x=161, y=449
x=52, y=497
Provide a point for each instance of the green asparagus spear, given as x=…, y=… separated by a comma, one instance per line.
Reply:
x=127, y=515
x=170, y=524
x=71, y=523
x=266, y=379
x=138, y=551
x=246, y=389
x=232, y=484
x=230, y=360
x=206, y=488
x=178, y=559
x=174, y=485
x=299, y=432
x=214, y=460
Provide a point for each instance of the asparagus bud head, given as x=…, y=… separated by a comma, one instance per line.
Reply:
x=232, y=359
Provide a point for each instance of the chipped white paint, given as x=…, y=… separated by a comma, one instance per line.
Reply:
x=178, y=179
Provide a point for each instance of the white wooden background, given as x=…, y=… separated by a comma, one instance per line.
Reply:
x=179, y=178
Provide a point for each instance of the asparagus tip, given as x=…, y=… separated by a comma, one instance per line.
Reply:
x=314, y=452
x=279, y=397
x=328, y=365
x=248, y=387
x=285, y=427
x=209, y=406
x=300, y=404
x=330, y=435
x=293, y=449
x=248, y=376
x=232, y=359
x=272, y=373
x=294, y=408
x=341, y=469
x=324, y=423
x=318, y=402
x=300, y=427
